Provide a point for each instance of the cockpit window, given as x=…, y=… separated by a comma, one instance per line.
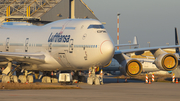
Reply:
x=96, y=26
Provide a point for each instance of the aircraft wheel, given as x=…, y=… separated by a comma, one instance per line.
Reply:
x=54, y=79
x=30, y=78
x=22, y=78
x=14, y=79
x=90, y=80
x=46, y=79
x=5, y=79
x=97, y=81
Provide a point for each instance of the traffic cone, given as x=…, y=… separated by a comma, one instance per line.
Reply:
x=173, y=78
x=76, y=81
x=101, y=73
x=153, y=77
x=27, y=82
x=146, y=78
x=80, y=73
x=149, y=81
x=89, y=73
x=72, y=73
x=125, y=79
x=176, y=80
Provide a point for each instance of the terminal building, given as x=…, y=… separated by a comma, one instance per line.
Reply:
x=43, y=11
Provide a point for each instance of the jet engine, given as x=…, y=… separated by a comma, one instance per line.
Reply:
x=166, y=61
x=131, y=67
x=107, y=64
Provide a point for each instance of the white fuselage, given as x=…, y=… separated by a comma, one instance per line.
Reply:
x=70, y=44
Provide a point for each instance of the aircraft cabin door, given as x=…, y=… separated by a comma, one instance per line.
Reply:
x=71, y=46
x=50, y=47
x=26, y=44
x=7, y=44
x=63, y=60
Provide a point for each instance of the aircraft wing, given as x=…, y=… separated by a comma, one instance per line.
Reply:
x=135, y=43
x=36, y=58
x=144, y=49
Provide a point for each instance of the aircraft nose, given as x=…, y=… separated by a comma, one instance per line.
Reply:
x=107, y=48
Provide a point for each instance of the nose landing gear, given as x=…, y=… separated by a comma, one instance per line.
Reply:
x=94, y=78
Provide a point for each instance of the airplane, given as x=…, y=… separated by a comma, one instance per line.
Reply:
x=69, y=44
x=147, y=64
x=177, y=70
x=177, y=41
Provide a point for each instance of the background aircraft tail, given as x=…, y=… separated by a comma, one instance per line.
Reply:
x=176, y=40
x=177, y=70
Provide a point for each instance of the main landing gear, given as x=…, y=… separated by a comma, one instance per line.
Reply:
x=7, y=74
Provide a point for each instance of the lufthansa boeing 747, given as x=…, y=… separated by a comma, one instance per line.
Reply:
x=69, y=44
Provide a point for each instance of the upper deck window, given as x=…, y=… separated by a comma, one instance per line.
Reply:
x=96, y=26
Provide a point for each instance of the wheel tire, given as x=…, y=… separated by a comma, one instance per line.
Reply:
x=46, y=79
x=22, y=78
x=14, y=79
x=30, y=78
x=90, y=80
x=5, y=79
x=97, y=81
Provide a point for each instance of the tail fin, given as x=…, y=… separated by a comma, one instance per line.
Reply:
x=176, y=40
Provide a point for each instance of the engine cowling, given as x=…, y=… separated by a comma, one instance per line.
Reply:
x=131, y=67
x=107, y=64
x=166, y=61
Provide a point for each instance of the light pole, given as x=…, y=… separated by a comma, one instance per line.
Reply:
x=167, y=44
x=148, y=43
x=118, y=30
x=129, y=43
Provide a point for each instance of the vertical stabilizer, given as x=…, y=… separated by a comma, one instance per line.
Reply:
x=176, y=40
x=135, y=41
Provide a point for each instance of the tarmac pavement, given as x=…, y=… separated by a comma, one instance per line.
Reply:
x=111, y=91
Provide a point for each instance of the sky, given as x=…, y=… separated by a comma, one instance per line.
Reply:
x=150, y=20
